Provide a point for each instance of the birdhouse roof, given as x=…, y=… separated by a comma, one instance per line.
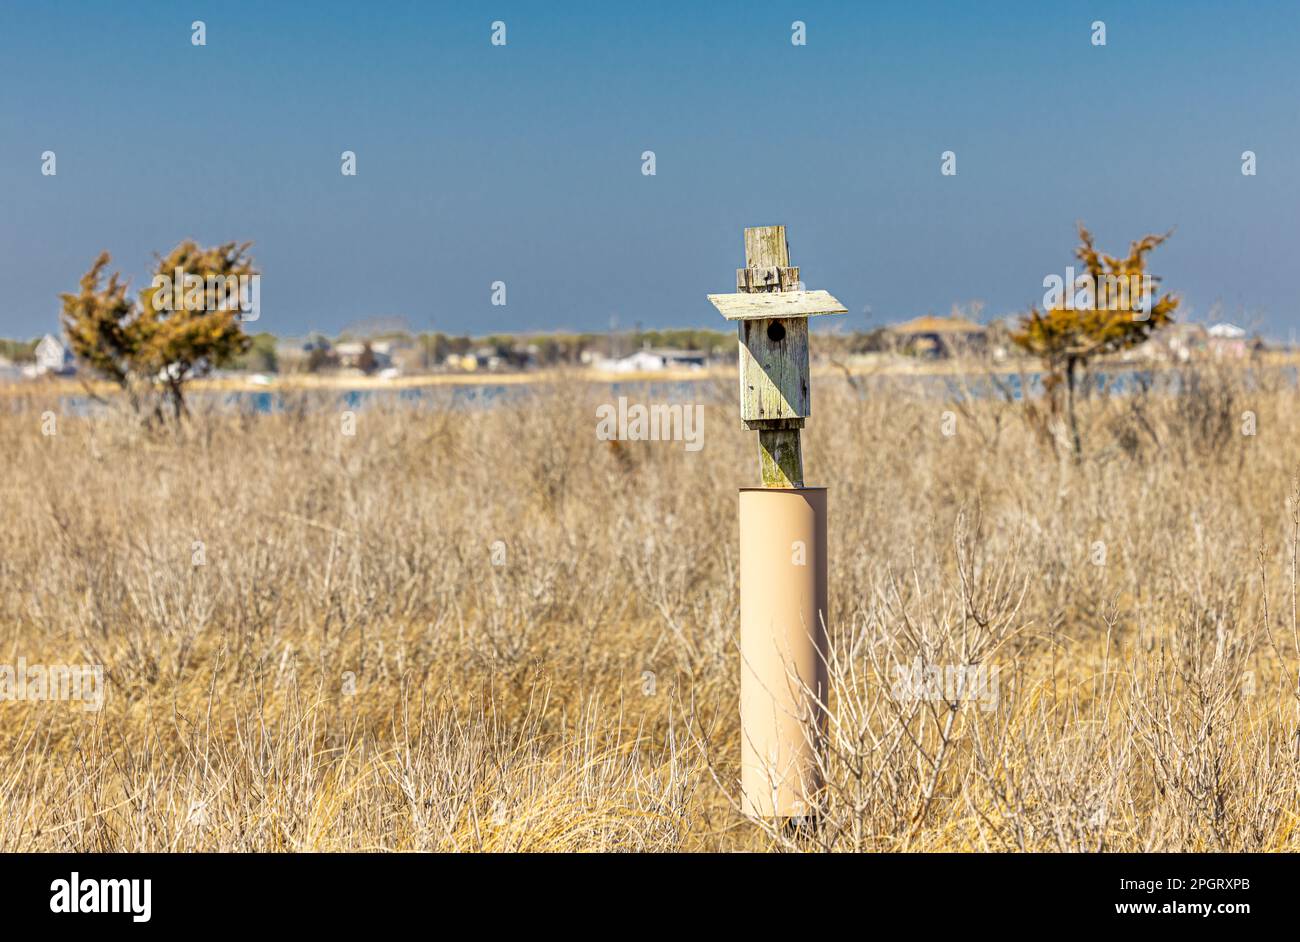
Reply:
x=764, y=305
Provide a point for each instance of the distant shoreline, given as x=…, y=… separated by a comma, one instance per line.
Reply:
x=299, y=382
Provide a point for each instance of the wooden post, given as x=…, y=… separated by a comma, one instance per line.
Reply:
x=772, y=314
x=780, y=452
x=783, y=595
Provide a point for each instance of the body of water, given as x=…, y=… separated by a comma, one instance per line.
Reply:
x=1014, y=386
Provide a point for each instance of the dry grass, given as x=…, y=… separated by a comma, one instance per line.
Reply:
x=348, y=670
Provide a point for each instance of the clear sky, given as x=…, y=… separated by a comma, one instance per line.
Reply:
x=523, y=163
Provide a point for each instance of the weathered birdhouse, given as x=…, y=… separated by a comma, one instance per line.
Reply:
x=783, y=582
x=772, y=312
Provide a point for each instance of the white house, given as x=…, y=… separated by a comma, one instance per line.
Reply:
x=53, y=356
x=652, y=361
x=350, y=353
x=1227, y=340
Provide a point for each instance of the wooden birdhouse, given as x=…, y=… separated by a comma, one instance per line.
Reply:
x=772, y=311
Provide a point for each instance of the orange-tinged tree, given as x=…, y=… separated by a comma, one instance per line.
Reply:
x=153, y=347
x=98, y=322
x=1115, y=314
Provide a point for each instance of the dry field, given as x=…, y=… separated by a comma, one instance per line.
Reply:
x=310, y=644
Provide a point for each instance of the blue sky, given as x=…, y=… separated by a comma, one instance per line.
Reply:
x=523, y=163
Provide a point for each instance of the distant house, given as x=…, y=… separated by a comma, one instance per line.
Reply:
x=654, y=360
x=351, y=354
x=1226, y=340
x=1174, y=343
x=53, y=356
x=938, y=336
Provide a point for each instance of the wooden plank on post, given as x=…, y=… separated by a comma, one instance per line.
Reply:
x=759, y=303
x=765, y=247
x=767, y=279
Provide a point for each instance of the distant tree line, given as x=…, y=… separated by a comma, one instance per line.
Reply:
x=19, y=351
